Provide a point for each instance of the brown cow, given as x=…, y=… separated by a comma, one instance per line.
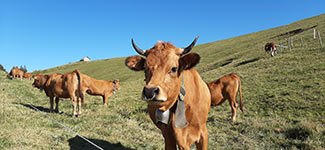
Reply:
x=270, y=47
x=16, y=73
x=169, y=76
x=99, y=87
x=61, y=86
x=226, y=88
x=28, y=75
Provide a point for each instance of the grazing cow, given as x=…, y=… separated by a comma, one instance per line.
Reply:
x=226, y=88
x=178, y=99
x=99, y=87
x=28, y=75
x=270, y=47
x=61, y=86
x=15, y=73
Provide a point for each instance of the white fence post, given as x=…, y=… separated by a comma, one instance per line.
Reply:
x=314, y=33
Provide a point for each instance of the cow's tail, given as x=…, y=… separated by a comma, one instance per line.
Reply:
x=79, y=85
x=240, y=96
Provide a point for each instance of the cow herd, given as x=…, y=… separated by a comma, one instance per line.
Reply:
x=71, y=85
x=178, y=99
x=17, y=73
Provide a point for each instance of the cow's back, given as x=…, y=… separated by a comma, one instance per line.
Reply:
x=62, y=85
x=230, y=83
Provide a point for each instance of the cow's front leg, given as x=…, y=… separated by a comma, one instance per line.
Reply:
x=57, y=104
x=51, y=104
x=203, y=143
x=170, y=142
x=106, y=98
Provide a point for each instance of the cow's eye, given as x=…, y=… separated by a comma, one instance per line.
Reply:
x=174, y=69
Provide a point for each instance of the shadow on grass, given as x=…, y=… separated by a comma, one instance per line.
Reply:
x=30, y=106
x=247, y=61
x=77, y=143
x=43, y=109
x=228, y=61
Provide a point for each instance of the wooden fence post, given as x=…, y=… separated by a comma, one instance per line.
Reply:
x=281, y=45
x=289, y=43
x=320, y=39
x=302, y=43
x=3, y=106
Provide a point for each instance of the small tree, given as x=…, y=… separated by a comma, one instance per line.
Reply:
x=2, y=68
x=23, y=68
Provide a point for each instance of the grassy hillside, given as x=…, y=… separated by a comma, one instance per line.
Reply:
x=284, y=100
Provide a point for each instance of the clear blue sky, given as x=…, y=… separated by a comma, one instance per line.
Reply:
x=43, y=34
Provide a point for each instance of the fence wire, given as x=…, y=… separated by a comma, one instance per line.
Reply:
x=57, y=122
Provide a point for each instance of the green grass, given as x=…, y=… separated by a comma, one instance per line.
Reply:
x=284, y=100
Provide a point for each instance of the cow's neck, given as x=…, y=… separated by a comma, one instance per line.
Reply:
x=114, y=87
x=41, y=82
x=178, y=109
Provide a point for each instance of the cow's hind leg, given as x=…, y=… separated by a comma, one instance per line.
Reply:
x=57, y=99
x=79, y=106
x=233, y=105
x=74, y=106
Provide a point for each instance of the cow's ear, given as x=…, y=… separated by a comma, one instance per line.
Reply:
x=188, y=61
x=135, y=63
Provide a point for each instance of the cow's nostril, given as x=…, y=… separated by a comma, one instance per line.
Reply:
x=156, y=91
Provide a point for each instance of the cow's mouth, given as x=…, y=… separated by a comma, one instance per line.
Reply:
x=152, y=99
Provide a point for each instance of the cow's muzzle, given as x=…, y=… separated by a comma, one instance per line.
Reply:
x=149, y=93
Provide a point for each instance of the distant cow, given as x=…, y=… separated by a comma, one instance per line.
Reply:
x=27, y=75
x=16, y=73
x=270, y=48
x=226, y=88
x=178, y=99
x=61, y=86
x=99, y=87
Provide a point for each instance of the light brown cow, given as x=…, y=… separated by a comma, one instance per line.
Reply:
x=16, y=73
x=28, y=75
x=61, y=86
x=226, y=88
x=169, y=75
x=98, y=87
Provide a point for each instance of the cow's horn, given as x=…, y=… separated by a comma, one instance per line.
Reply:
x=189, y=48
x=139, y=50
